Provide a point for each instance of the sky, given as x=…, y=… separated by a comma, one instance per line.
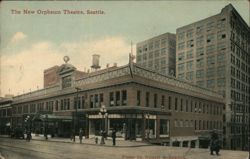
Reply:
x=31, y=43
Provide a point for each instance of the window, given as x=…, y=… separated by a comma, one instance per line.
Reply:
x=210, y=83
x=163, y=62
x=163, y=51
x=181, y=104
x=151, y=46
x=190, y=43
x=210, y=38
x=157, y=53
x=124, y=97
x=200, y=51
x=200, y=83
x=181, y=36
x=145, y=48
x=155, y=100
x=189, y=65
x=117, y=98
x=221, y=46
x=91, y=101
x=144, y=57
x=210, y=26
x=57, y=105
x=221, y=23
x=199, y=29
x=189, y=76
x=221, y=35
x=181, y=67
x=162, y=100
x=164, y=127
x=221, y=82
x=181, y=46
x=189, y=33
x=232, y=71
x=139, y=50
x=221, y=58
x=139, y=58
x=181, y=56
x=163, y=42
x=187, y=105
x=83, y=100
x=232, y=59
x=189, y=54
x=210, y=60
x=77, y=102
x=210, y=72
x=199, y=73
x=66, y=82
x=147, y=99
x=138, y=98
x=176, y=104
x=181, y=76
x=200, y=40
x=210, y=49
x=200, y=62
x=157, y=44
x=111, y=99
x=169, y=102
x=221, y=71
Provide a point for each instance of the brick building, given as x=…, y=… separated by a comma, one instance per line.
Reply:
x=141, y=104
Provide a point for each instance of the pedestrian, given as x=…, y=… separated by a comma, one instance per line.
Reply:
x=114, y=137
x=28, y=138
x=46, y=134
x=102, y=142
x=96, y=140
x=214, y=143
x=80, y=135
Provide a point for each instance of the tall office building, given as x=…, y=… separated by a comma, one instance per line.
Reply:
x=158, y=53
x=215, y=53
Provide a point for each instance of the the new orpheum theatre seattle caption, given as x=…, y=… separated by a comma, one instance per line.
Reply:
x=58, y=12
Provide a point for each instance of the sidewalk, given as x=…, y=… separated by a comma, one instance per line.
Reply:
x=89, y=141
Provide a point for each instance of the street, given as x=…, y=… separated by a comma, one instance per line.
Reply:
x=21, y=149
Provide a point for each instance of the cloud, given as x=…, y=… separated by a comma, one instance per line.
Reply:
x=24, y=70
x=18, y=36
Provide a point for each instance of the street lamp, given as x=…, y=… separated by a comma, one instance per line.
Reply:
x=103, y=112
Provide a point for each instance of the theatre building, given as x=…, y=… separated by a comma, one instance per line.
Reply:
x=140, y=104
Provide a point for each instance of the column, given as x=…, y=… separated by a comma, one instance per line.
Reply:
x=197, y=143
x=181, y=143
x=189, y=143
x=170, y=143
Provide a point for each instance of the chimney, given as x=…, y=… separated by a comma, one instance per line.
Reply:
x=115, y=64
x=107, y=66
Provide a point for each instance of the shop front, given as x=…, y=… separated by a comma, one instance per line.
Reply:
x=135, y=124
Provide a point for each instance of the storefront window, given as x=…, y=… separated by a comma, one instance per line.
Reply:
x=164, y=127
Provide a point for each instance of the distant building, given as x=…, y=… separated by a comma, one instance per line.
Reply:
x=140, y=105
x=5, y=115
x=157, y=53
x=215, y=53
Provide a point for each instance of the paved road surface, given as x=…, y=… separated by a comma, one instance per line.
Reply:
x=20, y=149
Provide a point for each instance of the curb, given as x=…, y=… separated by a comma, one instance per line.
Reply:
x=84, y=143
